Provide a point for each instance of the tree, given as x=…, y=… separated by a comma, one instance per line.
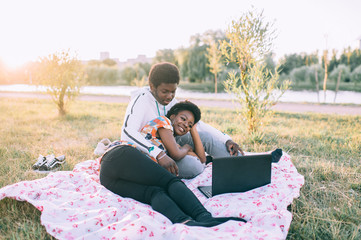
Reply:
x=249, y=40
x=136, y=74
x=182, y=56
x=102, y=74
x=300, y=74
x=63, y=75
x=109, y=62
x=315, y=73
x=165, y=55
x=291, y=62
x=197, y=63
x=356, y=75
x=341, y=72
x=128, y=74
x=325, y=64
x=214, y=57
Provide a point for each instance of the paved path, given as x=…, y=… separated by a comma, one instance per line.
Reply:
x=287, y=107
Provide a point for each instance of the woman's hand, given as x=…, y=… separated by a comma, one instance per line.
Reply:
x=168, y=163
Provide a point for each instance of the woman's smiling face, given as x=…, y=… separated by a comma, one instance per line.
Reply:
x=182, y=122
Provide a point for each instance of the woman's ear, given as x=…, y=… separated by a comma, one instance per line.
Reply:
x=172, y=117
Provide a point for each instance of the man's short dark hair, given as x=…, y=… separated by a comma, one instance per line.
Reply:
x=164, y=72
x=185, y=105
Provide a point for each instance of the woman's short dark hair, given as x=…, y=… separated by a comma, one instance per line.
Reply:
x=164, y=72
x=185, y=105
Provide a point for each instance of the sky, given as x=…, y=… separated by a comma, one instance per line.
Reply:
x=30, y=29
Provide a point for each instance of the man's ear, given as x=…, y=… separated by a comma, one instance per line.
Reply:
x=152, y=87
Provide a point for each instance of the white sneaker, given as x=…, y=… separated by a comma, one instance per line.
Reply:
x=53, y=163
x=102, y=146
x=41, y=161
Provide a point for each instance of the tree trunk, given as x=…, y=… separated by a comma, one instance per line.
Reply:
x=61, y=103
x=317, y=86
x=215, y=83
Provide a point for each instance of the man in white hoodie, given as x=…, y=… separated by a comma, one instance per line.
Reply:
x=151, y=102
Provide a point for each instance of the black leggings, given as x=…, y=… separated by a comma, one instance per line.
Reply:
x=129, y=173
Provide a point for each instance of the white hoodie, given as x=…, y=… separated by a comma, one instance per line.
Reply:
x=143, y=107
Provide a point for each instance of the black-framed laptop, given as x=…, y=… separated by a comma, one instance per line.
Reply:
x=238, y=174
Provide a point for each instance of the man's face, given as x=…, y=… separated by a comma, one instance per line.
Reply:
x=164, y=93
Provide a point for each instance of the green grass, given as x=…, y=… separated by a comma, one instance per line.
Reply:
x=326, y=149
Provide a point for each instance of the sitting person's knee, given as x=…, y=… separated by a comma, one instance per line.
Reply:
x=189, y=167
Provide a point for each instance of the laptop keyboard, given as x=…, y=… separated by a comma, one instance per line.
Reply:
x=206, y=190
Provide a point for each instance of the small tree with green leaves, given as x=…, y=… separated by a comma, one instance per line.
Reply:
x=63, y=75
x=257, y=89
x=356, y=75
x=214, y=57
x=325, y=63
x=338, y=74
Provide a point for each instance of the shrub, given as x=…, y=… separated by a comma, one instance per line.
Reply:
x=63, y=75
x=300, y=74
x=312, y=70
x=356, y=75
x=345, y=73
x=102, y=74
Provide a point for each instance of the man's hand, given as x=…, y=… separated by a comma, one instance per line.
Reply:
x=169, y=164
x=233, y=148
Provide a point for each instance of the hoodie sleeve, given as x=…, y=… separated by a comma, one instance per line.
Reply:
x=134, y=121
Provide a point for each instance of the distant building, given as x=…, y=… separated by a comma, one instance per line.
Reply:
x=129, y=62
x=132, y=61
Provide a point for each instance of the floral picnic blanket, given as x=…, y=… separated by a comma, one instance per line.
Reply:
x=74, y=205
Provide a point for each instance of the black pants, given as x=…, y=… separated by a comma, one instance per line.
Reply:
x=129, y=173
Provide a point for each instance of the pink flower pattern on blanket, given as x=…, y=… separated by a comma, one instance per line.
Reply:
x=75, y=206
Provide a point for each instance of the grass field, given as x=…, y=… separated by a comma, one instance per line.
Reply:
x=326, y=149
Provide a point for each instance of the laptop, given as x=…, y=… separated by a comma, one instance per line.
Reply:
x=238, y=174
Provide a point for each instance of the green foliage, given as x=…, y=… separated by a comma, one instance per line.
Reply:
x=136, y=74
x=102, y=74
x=214, y=57
x=290, y=62
x=165, y=55
x=300, y=74
x=351, y=58
x=182, y=55
x=109, y=62
x=128, y=74
x=197, y=63
x=248, y=43
x=63, y=75
x=356, y=75
x=192, y=61
x=315, y=71
x=249, y=40
x=257, y=92
x=341, y=71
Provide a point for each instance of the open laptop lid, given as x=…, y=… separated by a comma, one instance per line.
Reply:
x=241, y=173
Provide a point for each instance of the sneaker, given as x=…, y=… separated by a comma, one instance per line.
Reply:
x=102, y=146
x=53, y=163
x=41, y=161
